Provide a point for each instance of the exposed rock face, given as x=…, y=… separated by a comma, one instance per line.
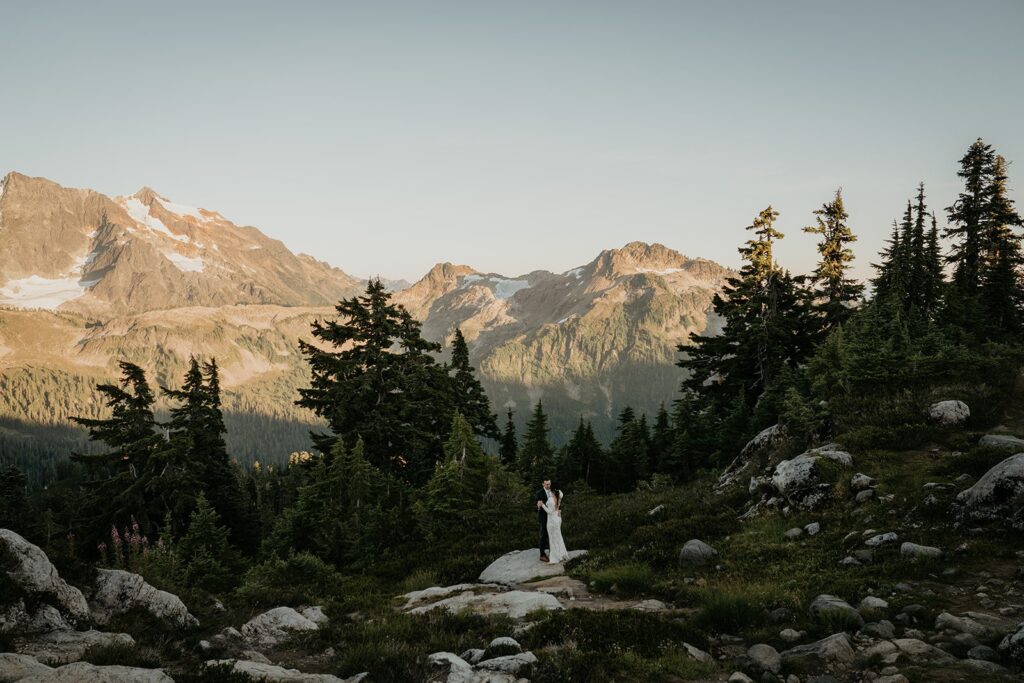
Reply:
x=32, y=573
x=800, y=481
x=949, y=413
x=150, y=253
x=520, y=566
x=1012, y=646
x=696, y=553
x=275, y=626
x=509, y=664
x=260, y=671
x=514, y=604
x=83, y=672
x=1010, y=443
x=819, y=655
x=998, y=495
x=63, y=647
x=15, y=667
x=447, y=667
x=118, y=592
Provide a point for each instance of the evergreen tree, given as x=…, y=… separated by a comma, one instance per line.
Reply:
x=661, y=441
x=1001, y=292
x=581, y=459
x=934, y=279
x=196, y=433
x=766, y=327
x=835, y=294
x=207, y=558
x=628, y=453
x=966, y=227
x=14, y=503
x=463, y=448
x=535, y=461
x=380, y=384
x=509, y=444
x=124, y=477
x=469, y=396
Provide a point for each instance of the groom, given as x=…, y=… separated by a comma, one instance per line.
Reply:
x=542, y=518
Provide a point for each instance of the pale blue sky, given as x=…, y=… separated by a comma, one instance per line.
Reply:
x=385, y=136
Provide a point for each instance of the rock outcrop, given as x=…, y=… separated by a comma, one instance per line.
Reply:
x=117, y=592
x=31, y=573
x=998, y=495
x=520, y=566
x=949, y=413
x=276, y=626
x=83, y=672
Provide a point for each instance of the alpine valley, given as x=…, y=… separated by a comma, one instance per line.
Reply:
x=88, y=280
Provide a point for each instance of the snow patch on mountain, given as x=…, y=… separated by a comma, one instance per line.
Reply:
x=139, y=213
x=503, y=288
x=575, y=272
x=185, y=263
x=183, y=210
x=40, y=292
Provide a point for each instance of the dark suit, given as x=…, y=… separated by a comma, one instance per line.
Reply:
x=542, y=520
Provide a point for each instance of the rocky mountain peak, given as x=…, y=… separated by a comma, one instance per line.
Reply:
x=639, y=257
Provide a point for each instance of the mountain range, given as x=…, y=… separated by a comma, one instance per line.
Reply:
x=87, y=280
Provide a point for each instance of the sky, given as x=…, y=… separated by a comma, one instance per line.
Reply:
x=384, y=137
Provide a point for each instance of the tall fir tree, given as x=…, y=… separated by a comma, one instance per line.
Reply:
x=125, y=480
x=380, y=383
x=509, y=443
x=765, y=327
x=1001, y=292
x=835, y=294
x=535, y=461
x=469, y=397
x=581, y=459
x=661, y=440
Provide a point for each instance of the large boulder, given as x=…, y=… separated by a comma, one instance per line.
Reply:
x=919, y=551
x=998, y=495
x=834, y=650
x=696, y=553
x=448, y=667
x=800, y=480
x=1010, y=443
x=65, y=647
x=949, y=413
x=1012, y=646
x=514, y=604
x=117, y=592
x=520, y=566
x=31, y=573
x=14, y=667
x=751, y=457
x=275, y=626
x=261, y=671
x=83, y=672
x=830, y=608
x=509, y=664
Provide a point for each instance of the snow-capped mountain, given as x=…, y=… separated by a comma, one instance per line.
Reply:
x=71, y=249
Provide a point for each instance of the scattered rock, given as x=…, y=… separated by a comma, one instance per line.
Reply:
x=864, y=496
x=509, y=664
x=813, y=529
x=790, y=635
x=499, y=647
x=698, y=654
x=998, y=495
x=740, y=677
x=794, y=533
x=265, y=671
x=1010, y=443
x=829, y=606
x=64, y=647
x=983, y=652
x=696, y=553
x=519, y=566
x=965, y=624
x=765, y=658
x=650, y=605
x=920, y=652
x=315, y=614
x=275, y=626
x=949, y=413
x=835, y=650
x=1012, y=646
x=655, y=510
x=447, y=667
x=860, y=481
x=473, y=655
x=914, y=550
x=883, y=629
x=881, y=539
x=117, y=592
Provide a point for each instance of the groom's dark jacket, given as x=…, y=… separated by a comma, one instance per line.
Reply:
x=542, y=498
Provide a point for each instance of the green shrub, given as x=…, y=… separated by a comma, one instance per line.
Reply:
x=898, y=437
x=730, y=612
x=630, y=578
x=214, y=673
x=641, y=632
x=301, y=579
x=975, y=462
x=418, y=580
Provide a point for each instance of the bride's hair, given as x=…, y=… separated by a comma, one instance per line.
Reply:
x=557, y=493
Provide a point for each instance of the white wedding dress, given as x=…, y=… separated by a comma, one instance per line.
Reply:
x=556, y=546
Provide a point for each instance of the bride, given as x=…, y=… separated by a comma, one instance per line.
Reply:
x=557, y=551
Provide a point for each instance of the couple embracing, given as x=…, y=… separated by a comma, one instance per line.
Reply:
x=549, y=517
